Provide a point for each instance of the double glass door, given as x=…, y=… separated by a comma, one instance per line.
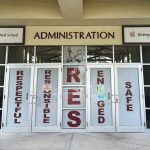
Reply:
x=31, y=99
x=109, y=101
x=115, y=101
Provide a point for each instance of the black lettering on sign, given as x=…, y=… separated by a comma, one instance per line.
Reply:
x=74, y=35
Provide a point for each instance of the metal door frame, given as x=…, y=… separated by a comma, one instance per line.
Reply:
x=130, y=128
x=115, y=104
x=5, y=103
x=31, y=100
x=101, y=128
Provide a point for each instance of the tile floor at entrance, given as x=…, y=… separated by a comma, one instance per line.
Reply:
x=74, y=141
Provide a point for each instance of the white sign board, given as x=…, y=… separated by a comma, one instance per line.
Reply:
x=12, y=35
x=136, y=34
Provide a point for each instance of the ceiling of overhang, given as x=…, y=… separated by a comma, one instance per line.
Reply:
x=74, y=12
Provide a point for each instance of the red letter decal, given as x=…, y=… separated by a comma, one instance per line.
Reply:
x=73, y=116
x=71, y=96
x=73, y=72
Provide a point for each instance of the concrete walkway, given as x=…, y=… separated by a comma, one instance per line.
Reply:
x=75, y=141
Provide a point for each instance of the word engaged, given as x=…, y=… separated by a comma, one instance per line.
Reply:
x=100, y=95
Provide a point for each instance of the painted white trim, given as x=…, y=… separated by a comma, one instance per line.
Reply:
x=6, y=57
x=74, y=108
x=5, y=100
x=73, y=85
x=146, y=85
x=130, y=129
x=34, y=54
x=68, y=130
x=141, y=58
x=146, y=64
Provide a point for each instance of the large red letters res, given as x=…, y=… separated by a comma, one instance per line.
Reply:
x=73, y=97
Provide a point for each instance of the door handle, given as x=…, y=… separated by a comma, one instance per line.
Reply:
x=32, y=100
x=27, y=96
x=117, y=100
x=109, y=96
x=33, y=95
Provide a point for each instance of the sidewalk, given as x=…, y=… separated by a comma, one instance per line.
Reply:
x=75, y=141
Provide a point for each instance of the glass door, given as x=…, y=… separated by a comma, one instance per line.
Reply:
x=115, y=102
x=32, y=97
x=128, y=92
x=101, y=104
x=18, y=103
x=46, y=99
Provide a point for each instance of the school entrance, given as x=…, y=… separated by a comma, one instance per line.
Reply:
x=92, y=98
x=115, y=101
x=33, y=99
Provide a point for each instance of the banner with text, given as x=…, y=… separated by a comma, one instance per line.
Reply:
x=136, y=34
x=12, y=35
x=73, y=35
